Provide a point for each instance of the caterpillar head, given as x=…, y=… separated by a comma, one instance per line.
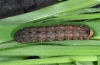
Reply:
x=91, y=33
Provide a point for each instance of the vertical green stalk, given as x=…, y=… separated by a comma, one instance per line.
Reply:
x=98, y=59
x=65, y=64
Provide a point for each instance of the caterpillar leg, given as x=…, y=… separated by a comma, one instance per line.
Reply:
x=74, y=38
x=80, y=38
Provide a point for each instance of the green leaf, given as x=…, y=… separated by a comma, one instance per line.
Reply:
x=8, y=31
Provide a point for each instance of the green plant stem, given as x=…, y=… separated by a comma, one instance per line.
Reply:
x=49, y=11
x=86, y=63
x=65, y=59
x=51, y=50
x=11, y=45
x=65, y=64
x=72, y=42
x=6, y=59
x=98, y=59
x=88, y=10
x=75, y=17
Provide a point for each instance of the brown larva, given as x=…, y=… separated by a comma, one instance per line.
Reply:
x=50, y=33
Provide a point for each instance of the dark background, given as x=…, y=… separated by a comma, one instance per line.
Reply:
x=15, y=7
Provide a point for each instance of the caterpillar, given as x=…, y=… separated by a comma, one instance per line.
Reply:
x=50, y=33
